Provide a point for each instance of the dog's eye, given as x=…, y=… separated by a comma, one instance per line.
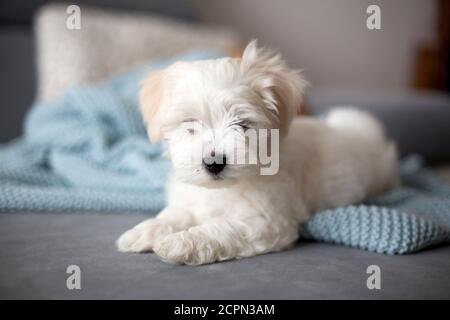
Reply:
x=245, y=125
x=189, y=123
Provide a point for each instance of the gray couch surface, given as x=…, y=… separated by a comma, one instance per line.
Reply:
x=35, y=250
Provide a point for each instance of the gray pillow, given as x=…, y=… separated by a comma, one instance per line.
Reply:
x=418, y=121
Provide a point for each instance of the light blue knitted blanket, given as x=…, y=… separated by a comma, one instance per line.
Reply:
x=87, y=151
x=409, y=218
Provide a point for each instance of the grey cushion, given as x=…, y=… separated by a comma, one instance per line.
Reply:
x=418, y=121
x=35, y=250
x=17, y=79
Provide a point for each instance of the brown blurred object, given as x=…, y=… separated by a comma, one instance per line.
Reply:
x=432, y=61
x=303, y=110
x=236, y=52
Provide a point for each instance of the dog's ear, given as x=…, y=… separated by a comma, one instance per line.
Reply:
x=280, y=87
x=151, y=102
x=155, y=95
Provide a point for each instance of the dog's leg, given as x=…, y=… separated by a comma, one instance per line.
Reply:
x=227, y=237
x=143, y=236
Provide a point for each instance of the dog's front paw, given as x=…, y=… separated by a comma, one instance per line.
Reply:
x=187, y=248
x=142, y=237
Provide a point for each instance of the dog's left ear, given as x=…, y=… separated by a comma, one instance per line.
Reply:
x=280, y=87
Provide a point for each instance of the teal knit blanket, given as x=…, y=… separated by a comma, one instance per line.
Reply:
x=87, y=151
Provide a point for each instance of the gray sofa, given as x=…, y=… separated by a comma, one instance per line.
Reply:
x=37, y=248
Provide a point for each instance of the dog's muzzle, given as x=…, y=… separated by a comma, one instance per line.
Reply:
x=215, y=165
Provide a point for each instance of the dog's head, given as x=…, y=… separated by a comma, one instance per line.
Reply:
x=210, y=111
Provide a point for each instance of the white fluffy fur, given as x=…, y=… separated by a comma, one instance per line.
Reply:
x=324, y=163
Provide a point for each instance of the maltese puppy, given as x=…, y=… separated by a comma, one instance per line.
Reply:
x=245, y=173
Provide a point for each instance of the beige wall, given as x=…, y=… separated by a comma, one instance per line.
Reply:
x=329, y=38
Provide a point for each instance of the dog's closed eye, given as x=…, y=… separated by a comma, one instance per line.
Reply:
x=190, y=125
x=244, y=124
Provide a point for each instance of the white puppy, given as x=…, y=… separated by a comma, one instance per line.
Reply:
x=223, y=209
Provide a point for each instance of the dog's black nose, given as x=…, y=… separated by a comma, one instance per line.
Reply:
x=215, y=165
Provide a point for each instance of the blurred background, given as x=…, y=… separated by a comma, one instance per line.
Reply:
x=401, y=72
x=329, y=40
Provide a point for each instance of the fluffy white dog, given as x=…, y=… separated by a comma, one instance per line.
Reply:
x=220, y=208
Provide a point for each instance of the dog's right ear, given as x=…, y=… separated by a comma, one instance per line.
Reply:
x=151, y=101
x=155, y=96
